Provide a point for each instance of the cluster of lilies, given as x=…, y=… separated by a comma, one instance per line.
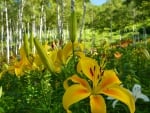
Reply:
x=90, y=79
x=45, y=57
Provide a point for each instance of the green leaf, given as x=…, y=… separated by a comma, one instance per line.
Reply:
x=1, y=110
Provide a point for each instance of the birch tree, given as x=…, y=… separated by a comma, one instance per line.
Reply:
x=82, y=21
x=62, y=21
x=2, y=34
x=58, y=18
x=7, y=34
x=20, y=17
x=41, y=20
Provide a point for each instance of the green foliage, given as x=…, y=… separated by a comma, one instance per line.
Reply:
x=41, y=92
x=30, y=93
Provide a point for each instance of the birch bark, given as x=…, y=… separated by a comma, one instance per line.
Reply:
x=7, y=34
x=83, y=21
x=2, y=35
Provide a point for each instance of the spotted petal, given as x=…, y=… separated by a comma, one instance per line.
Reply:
x=86, y=65
x=78, y=80
x=109, y=77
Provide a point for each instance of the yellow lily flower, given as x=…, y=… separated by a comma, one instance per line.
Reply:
x=62, y=56
x=55, y=59
x=37, y=63
x=103, y=82
x=66, y=52
x=20, y=66
x=53, y=55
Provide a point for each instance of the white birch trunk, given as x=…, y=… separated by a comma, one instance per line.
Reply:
x=44, y=25
x=2, y=35
x=33, y=28
x=20, y=29
x=20, y=21
x=7, y=35
x=41, y=22
x=83, y=21
x=33, y=24
x=16, y=41
x=10, y=39
x=58, y=19
x=61, y=24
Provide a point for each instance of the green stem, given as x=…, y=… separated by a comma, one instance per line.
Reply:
x=73, y=51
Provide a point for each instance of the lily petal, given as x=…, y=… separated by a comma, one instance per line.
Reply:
x=121, y=94
x=114, y=103
x=97, y=103
x=143, y=97
x=80, y=54
x=18, y=68
x=136, y=91
x=59, y=56
x=68, y=48
x=79, y=80
x=74, y=94
x=64, y=54
x=67, y=51
x=86, y=65
x=57, y=65
x=18, y=71
x=109, y=77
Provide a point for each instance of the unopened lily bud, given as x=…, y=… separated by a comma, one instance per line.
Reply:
x=31, y=42
x=26, y=45
x=73, y=26
x=43, y=55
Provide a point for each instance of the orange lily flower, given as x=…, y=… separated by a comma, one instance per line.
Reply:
x=103, y=82
x=117, y=55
